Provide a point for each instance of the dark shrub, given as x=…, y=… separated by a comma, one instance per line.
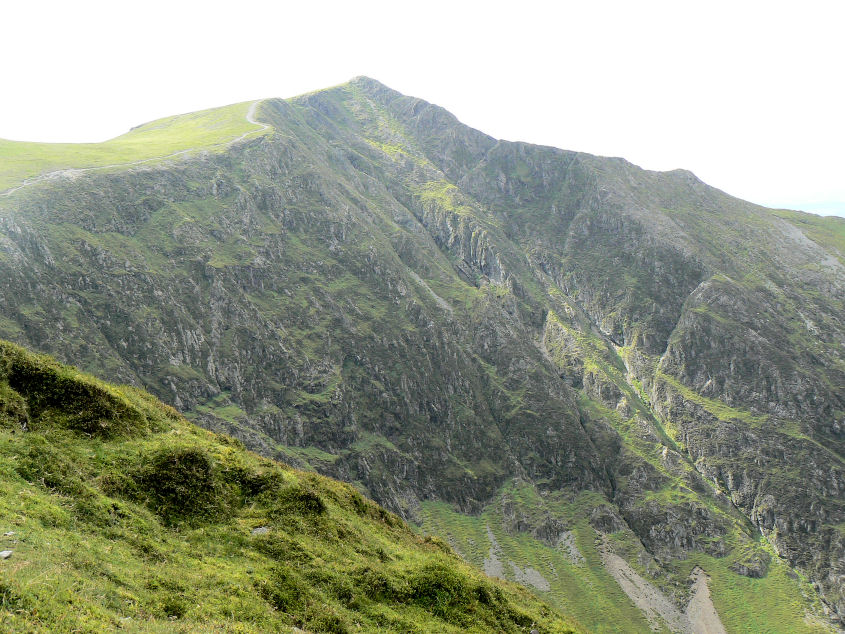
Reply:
x=254, y=483
x=10, y=600
x=282, y=548
x=375, y=585
x=298, y=500
x=13, y=410
x=284, y=591
x=182, y=484
x=440, y=590
x=60, y=395
x=329, y=623
x=44, y=464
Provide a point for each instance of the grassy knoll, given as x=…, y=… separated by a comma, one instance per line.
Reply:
x=768, y=604
x=121, y=514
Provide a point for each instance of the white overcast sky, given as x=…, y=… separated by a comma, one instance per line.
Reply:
x=748, y=95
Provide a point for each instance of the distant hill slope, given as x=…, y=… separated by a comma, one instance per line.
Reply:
x=561, y=363
x=828, y=231
x=205, y=130
x=119, y=514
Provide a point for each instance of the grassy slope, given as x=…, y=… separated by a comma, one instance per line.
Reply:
x=827, y=231
x=587, y=590
x=123, y=514
x=776, y=602
x=20, y=160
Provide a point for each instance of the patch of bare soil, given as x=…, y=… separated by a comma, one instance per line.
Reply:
x=700, y=616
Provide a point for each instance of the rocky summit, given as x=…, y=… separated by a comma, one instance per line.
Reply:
x=622, y=389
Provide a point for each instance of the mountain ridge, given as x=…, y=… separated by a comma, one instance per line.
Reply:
x=623, y=344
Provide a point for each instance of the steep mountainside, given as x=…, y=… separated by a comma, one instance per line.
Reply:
x=564, y=364
x=119, y=514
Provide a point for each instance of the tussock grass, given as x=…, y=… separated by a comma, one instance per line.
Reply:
x=127, y=516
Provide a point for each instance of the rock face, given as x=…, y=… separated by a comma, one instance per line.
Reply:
x=400, y=301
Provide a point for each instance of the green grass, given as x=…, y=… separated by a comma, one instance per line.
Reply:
x=777, y=602
x=715, y=407
x=122, y=514
x=585, y=591
x=769, y=604
x=207, y=129
x=827, y=231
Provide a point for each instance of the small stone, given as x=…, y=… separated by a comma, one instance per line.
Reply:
x=261, y=530
x=5, y=554
x=9, y=534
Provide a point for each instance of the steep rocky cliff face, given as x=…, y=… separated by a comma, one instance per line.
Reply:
x=543, y=355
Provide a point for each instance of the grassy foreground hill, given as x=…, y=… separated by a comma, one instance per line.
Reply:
x=119, y=513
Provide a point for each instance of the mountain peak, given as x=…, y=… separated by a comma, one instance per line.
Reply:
x=364, y=80
x=560, y=362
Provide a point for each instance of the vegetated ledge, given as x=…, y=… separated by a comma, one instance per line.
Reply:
x=119, y=513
